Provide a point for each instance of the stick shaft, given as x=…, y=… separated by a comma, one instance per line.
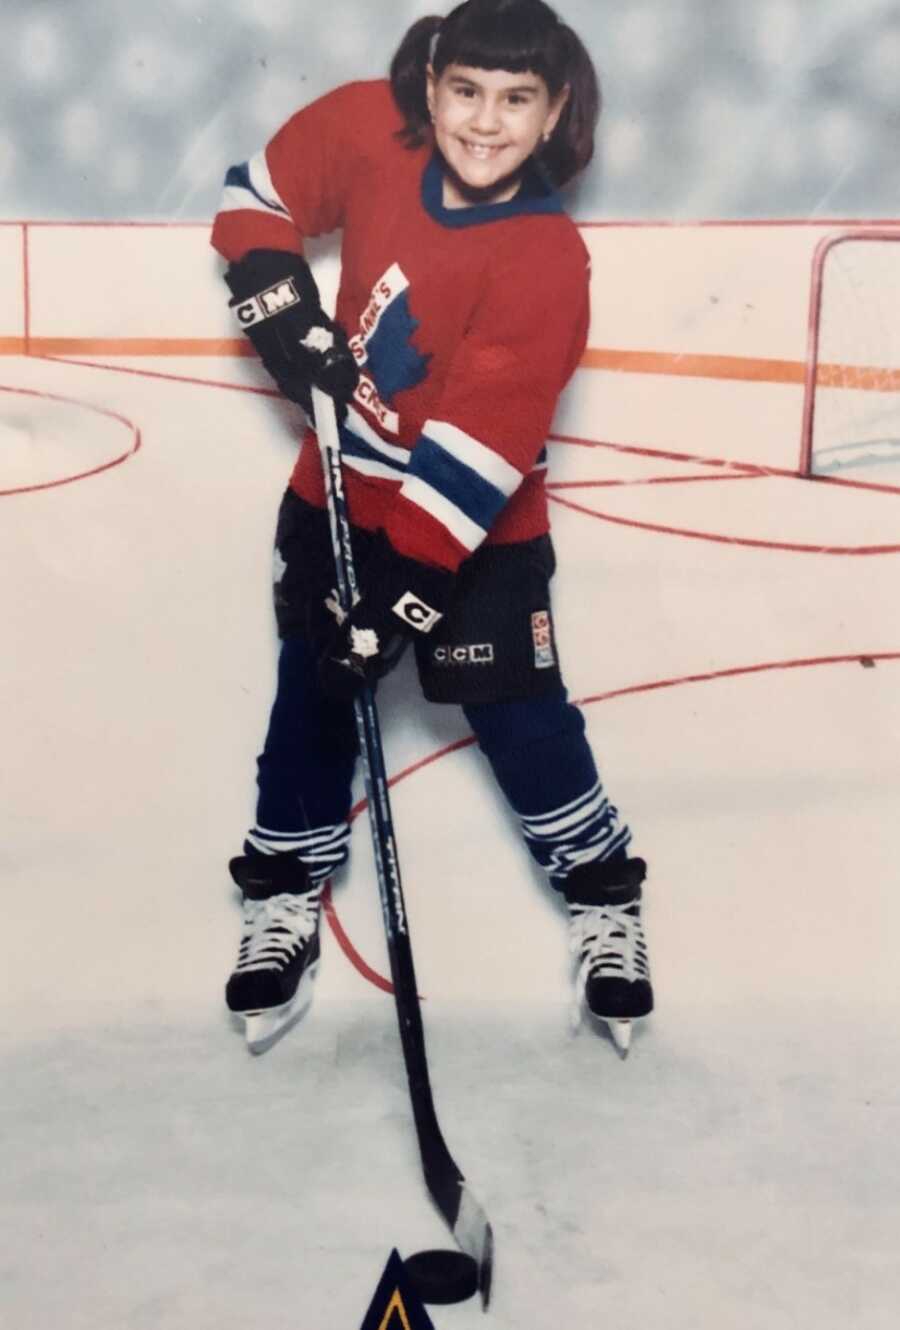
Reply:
x=446, y=1184
x=387, y=862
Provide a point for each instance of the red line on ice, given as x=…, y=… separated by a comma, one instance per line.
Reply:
x=85, y=406
x=734, y=672
x=744, y=468
x=160, y=374
x=746, y=541
x=555, y=485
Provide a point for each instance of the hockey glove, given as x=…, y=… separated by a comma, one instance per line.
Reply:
x=276, y=301
x=401, y=598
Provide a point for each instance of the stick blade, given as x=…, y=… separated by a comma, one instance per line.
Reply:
x=475, y=1236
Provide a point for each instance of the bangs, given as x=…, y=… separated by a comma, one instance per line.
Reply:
x=493, y=41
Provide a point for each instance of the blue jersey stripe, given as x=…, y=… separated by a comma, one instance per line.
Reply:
x=463, y=487
x=353, y=446
x=240, y=176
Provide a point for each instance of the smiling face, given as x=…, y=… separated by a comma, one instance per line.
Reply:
x=487, y=123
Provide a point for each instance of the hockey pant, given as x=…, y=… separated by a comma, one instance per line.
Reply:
x=537, y=750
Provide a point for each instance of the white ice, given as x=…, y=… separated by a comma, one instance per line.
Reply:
x=739, y=1171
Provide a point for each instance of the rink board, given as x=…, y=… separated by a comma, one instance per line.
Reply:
x=709, y=291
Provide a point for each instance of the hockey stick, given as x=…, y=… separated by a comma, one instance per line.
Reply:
x=446, y=1184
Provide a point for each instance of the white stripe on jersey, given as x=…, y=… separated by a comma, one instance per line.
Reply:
x=261, y=180
x=261, y=197
x=368, y=466
x=468, y=533
x=363, y=430
x=235, y=198
x=474, y=454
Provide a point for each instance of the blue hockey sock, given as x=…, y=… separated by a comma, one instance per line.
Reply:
x=543, y=763
x=305, y=770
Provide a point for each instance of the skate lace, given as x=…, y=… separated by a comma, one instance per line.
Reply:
x=275, y=928
x=611, y=943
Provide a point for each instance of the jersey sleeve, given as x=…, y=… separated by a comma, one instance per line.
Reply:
x=492, y=419
x=297, y=185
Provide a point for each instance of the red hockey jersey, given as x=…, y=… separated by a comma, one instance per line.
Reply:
x=466, y=322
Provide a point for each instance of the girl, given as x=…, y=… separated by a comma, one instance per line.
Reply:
x=462, y=313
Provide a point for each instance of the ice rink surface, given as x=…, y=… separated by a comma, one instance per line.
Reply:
x=734, y=635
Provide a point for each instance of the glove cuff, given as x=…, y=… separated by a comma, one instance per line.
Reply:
x=276, y=301
x=271, y=283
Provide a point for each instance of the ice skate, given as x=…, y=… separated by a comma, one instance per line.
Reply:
x=264, y=1028
x=613, y=978
x=270, y=988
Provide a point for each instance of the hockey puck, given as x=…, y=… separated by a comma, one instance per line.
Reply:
x=442, y=1277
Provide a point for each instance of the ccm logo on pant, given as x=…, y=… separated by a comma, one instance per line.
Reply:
x=479, y=653
x=416, y=613
x=271, y=301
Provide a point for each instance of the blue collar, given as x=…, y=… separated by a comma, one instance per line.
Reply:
x=536, y=195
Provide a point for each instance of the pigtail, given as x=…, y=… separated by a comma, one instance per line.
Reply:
x=571, y=145
x=408, y=82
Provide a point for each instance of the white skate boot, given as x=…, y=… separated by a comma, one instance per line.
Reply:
x=270, y=988
x=613, y=978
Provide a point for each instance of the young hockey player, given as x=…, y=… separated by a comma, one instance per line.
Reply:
x=462, y=313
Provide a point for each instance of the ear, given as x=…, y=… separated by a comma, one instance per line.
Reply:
x=430, y=88
x=556, y=109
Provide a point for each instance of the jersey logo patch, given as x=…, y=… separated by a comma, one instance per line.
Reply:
x=542, y=639
x=384, y=342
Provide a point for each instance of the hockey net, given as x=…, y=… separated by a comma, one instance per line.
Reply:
x=851, y=410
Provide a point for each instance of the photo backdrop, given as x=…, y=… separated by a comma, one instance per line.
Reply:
x=714, y=108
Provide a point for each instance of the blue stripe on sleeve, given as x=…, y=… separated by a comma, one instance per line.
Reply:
x=459, y=484
x=240, y=176
x=353, y=446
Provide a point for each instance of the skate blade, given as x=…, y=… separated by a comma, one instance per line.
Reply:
x=263, y=1029
x=620, y=1032
x=618, y=1029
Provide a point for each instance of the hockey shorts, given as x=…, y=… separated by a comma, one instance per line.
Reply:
x=496, y=641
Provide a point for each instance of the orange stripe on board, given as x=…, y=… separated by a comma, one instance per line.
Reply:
x=747, y=369
x=695, y=366
x=867, y=377
x=744, y=368
x=141, y=346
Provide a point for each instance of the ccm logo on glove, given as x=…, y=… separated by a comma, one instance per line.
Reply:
x=276, y=301
x=266, y=303
x=416, y=613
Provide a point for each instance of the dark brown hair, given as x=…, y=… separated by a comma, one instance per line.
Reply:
x=518, y=35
